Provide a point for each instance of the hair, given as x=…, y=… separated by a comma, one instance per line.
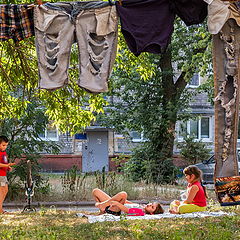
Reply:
x=198, y=174
x=158, y=210
x=4, y=139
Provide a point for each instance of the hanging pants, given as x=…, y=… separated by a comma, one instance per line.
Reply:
x=93, y=26
x=226, y=82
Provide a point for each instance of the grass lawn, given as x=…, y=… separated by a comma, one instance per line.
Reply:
x=56, y=224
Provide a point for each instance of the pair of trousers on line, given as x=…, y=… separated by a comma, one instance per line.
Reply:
x=226, y=86
x=93, y=25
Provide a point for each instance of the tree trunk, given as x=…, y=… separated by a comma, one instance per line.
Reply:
x=171, y=95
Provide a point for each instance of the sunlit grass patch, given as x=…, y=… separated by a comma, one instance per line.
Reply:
x=65, y=225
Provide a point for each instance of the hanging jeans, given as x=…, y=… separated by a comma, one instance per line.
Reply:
x=93, y=26
x=226, y=80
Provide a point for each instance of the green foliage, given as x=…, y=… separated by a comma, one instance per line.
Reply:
x=120, y=161
x=105, y=180
x=148, y=94
x=193, y=151
x=73, y=182
x=149, y=165
x=70, y=108
x=25, y=144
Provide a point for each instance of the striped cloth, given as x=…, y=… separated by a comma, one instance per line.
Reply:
x=16, y=22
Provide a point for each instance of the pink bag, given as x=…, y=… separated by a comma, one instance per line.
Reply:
x=135, y=212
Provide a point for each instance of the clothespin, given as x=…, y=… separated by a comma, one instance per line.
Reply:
x=120, y=2
x=39, y=2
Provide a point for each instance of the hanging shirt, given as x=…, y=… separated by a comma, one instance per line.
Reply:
x=219, y=12
x=3, y=159
x=190, y=11
x=16, y=22
x=200, y=198
x=146, y=25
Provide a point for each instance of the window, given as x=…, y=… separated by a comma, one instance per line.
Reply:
x=50, y=134
x=200, y=128
x=136, y=136
x=182, y=131
x=195, y=81
x=205, y=122
x=194, y=128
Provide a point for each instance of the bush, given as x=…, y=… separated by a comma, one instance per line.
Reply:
x=149, y=165
x=193, y=151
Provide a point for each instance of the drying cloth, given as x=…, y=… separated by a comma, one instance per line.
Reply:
x=16, y=22
x=190, y=11
x=93, y=26
x=228, y=190
x=219, y=12
x=109, y=217
x=147, y=25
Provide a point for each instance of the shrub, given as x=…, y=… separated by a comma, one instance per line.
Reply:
x=149, y=165
x=193, y=151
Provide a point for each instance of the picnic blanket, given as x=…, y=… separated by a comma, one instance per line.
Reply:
x=109, y=217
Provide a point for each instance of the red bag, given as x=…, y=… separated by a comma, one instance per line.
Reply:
x=136, y=212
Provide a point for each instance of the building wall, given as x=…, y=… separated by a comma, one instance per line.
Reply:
x=64, y=162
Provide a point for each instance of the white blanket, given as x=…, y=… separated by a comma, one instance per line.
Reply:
x=109, y=217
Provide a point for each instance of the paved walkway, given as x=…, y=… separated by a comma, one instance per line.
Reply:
x=87, y=206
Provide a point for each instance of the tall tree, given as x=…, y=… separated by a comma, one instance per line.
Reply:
x=149, y=95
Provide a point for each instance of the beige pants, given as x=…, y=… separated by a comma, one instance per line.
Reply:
x=93, y=26
x=3, y=190
x=226, y=82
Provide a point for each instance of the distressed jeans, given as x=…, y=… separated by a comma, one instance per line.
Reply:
x=93, y=26
x=226, y=82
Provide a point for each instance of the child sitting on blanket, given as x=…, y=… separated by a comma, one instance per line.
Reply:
x=119, y=203
x=195, y=196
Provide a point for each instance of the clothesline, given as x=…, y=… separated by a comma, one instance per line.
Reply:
x=40, y=2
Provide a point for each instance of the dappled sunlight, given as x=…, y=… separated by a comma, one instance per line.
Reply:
x=41, y=218
x=60, y=224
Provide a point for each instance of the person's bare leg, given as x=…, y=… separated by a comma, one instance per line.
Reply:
x=120, y=197
x=3, y=194
x=100, y=196
x=103, y=200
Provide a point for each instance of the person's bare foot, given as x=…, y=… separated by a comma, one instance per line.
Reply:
x=3, y=212
x=172, y=211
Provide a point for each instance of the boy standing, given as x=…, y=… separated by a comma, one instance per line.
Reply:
x=4, y=167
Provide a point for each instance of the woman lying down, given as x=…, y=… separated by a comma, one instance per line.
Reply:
x=119, y=203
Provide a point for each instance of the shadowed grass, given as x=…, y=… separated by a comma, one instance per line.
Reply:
x=54, y=224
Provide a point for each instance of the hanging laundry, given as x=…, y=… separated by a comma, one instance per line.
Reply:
x=190, y=11
x=16, y=22
x=228, y=190
x=93, y=26
x=219, y=12
x=146, y=25
x=226, y=83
